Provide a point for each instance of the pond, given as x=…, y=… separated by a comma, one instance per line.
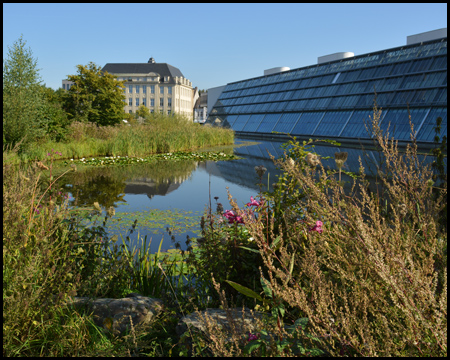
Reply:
x=175, y=194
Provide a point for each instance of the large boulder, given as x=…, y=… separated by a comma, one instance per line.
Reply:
x=118, y=315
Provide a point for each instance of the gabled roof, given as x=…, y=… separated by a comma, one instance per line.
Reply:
x=162, y=69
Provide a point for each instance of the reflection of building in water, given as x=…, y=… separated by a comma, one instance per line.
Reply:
x=242, y=172
x=148, y=186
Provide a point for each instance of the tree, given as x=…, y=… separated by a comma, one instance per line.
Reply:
x=54, y=116
x=22, y=98
x=143, y=112
x=95, y=96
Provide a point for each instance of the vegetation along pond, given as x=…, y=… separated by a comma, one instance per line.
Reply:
x=172, y=192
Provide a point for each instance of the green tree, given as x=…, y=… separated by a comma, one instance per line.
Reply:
x=22, y=98
x=53, y=114
x=143, y=112
x=95, y=96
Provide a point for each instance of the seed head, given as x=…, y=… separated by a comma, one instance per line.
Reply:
x=312, y=159
x=260, y=170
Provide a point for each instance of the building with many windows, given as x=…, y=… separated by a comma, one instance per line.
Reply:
x=158, y=86
x=334, y=98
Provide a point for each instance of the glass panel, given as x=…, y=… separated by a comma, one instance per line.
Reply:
x=439, y=63
x=253, y=122
x=240, y=122
x=367, y=73
x=403, y=97
x=332, y=123
x=420, y=65
x=384, y=99
x=374, y=85
x=383, y=70
x=400, y=68
x=230, y=120
x=286, y=122
x=397, y=120
x=391, y=84
x=356, y=126
x=268, y=123
x=307, y=123
x=365, y=100
x=427, y=132
x=412, y=81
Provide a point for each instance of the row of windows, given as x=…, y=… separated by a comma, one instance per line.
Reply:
x=390, y=84
x=350, y=79
x=146, y=78
x=137, y=89
x=344, y=124
x=371, y=60
x=399, y=98
x=152, y=102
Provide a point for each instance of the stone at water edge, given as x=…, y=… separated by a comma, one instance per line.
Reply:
x=114, y=314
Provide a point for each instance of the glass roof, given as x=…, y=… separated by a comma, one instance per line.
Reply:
x=333, y=99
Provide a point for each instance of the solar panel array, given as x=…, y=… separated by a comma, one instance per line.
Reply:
x=336, y=99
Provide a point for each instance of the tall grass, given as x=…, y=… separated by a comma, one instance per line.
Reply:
x=365, y=270
x=162, y=134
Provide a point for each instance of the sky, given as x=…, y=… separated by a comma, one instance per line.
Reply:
x=211, y=44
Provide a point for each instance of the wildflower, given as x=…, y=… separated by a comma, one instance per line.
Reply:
x=260, y=170
x=253, y=202
x=232, y=217
x=252, y=337
x=312, y=159
x=219, y=208
x=291, y=162
x=317, y=227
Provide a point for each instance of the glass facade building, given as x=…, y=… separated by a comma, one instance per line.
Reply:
x=335, y=99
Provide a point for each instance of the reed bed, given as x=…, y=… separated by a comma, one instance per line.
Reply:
x=159, y=135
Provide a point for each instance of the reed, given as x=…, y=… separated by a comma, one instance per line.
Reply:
x=160, y=135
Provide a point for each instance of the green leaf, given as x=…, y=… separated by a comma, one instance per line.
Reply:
x=249, y=249
x=244, y=290
x=301, y=322
x=266, y=289
x=275, y=242
x=255, y=344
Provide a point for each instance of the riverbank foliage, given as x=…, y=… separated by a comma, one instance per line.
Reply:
x=356, y=270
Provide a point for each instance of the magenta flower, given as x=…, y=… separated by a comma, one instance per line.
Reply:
x=232, y=217
x=252, y=337
x=317, y=227
x=253, y=202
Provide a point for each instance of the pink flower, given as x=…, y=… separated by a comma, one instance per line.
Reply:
x=317, y=227
x=232, y=217
x=253, y=202
x=252, y=337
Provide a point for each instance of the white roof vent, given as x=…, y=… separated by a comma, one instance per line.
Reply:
x=426, y=36
x=275, y=70
x=333, y=57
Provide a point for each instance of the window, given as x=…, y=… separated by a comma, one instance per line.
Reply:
x=130, y=89
x=144, y=101
x=168, y=112
x=152, y=102
x=169, y=89
x=64, y=86
x=161, y=102
x=161, y=89
x=130, y=101
x=137, y=101
x=137, y=89
x=169, y=102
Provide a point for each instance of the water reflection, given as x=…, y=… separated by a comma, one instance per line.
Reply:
x=176, y=194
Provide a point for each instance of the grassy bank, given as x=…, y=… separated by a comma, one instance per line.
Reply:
x=161, y=134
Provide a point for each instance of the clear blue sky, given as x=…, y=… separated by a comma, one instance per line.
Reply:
x=212, y=44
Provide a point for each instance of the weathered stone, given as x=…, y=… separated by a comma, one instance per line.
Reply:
x=220, y=316
x=116, y=315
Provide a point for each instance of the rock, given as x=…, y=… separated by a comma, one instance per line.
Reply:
x=116, y=315
x=193, y=320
